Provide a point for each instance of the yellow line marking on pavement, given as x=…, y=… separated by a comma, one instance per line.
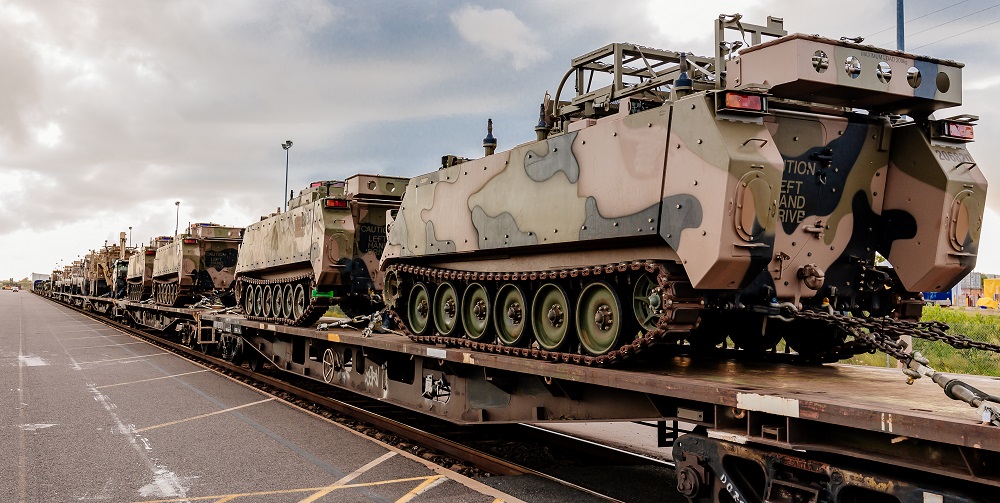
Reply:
x=349, y=477
x=202, y=416
x=106, y=345
x=147, y=380
x=417, y=490
x=127, y=358
x=228, y=497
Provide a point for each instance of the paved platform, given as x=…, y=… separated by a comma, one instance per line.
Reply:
x=95, y=415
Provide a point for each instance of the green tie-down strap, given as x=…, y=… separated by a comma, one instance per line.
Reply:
x=316, y=294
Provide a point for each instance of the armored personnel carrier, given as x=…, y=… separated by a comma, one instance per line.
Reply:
x=104, y=269
x=737, y=199
x=324, y=250
x=200, y=261
x=139, y=274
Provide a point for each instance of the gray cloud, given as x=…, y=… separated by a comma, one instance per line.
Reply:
x=111, y=111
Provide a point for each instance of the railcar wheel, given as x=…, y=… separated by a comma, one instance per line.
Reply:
x=248, y=300
x=278, y=302
x=288, y=301
x=299, y=301
x=550, y=316
x=418, y=310
x=331, y=364
x=476, y=311
x=599, y=318
x=647, y=301
x=446, y=315
x=390, y=288
x=258, y=298
x=511, y=316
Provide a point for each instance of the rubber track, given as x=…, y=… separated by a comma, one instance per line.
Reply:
x=313, y=312
x=666, y=330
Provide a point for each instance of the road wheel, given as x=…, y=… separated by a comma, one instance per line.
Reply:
x=476, y=311
x=418, y=310
x=288, y=301
x=511, y=316
x=248, y=300
x=550, y=316
x=299, y=302
x=599, y=318
x=446, y=316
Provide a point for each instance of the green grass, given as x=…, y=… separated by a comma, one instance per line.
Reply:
x=980, y=325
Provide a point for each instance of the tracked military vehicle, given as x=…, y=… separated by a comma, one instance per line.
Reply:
x=201, y=261
x=139, y=274
x=324, y=250
x=101, y=268
x=738, y=199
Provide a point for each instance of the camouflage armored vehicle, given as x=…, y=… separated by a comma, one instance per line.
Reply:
x=736, y=199
x=72, y=280
x=139, y=275
x=199, y=262
x=324, y=250
x=102, y=268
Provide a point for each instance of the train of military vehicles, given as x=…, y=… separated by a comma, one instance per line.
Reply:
x=738, y=200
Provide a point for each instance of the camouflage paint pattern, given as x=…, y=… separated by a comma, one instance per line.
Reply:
x=934, y=201
x=703, y=194
x=203, y=258
x=338, y=245
x=140, y=264
x=790, y=207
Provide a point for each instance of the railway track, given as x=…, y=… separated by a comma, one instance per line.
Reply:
x=475, y=451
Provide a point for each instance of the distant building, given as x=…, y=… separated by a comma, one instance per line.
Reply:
x=969, y=290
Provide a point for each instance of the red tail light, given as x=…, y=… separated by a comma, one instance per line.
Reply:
x=336, y=203
x=743, y=102
x=189, y=241
x=150, y=252
x=960, y=128
x=316, y=184
x=959, y=131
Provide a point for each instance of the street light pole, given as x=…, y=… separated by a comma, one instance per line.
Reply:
x=287, y=145
x=177, y=223
x=130, y=236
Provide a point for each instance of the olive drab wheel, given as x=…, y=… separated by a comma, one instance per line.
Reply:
x=331, y=365
x=288, y=301
x=599, y=318
x=511, y=316
x=550, y=316
x=418, y=309
x=248, y=300
x=278, y=300
x=258, y=299
x=267, y=302
x=647, y=301
x=476, y=311
x=446, y=314
x=299, y=301
x=390, y=288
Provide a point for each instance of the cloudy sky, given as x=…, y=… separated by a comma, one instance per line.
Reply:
x=110, y=111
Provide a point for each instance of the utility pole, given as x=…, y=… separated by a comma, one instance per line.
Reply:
x=899, y=26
